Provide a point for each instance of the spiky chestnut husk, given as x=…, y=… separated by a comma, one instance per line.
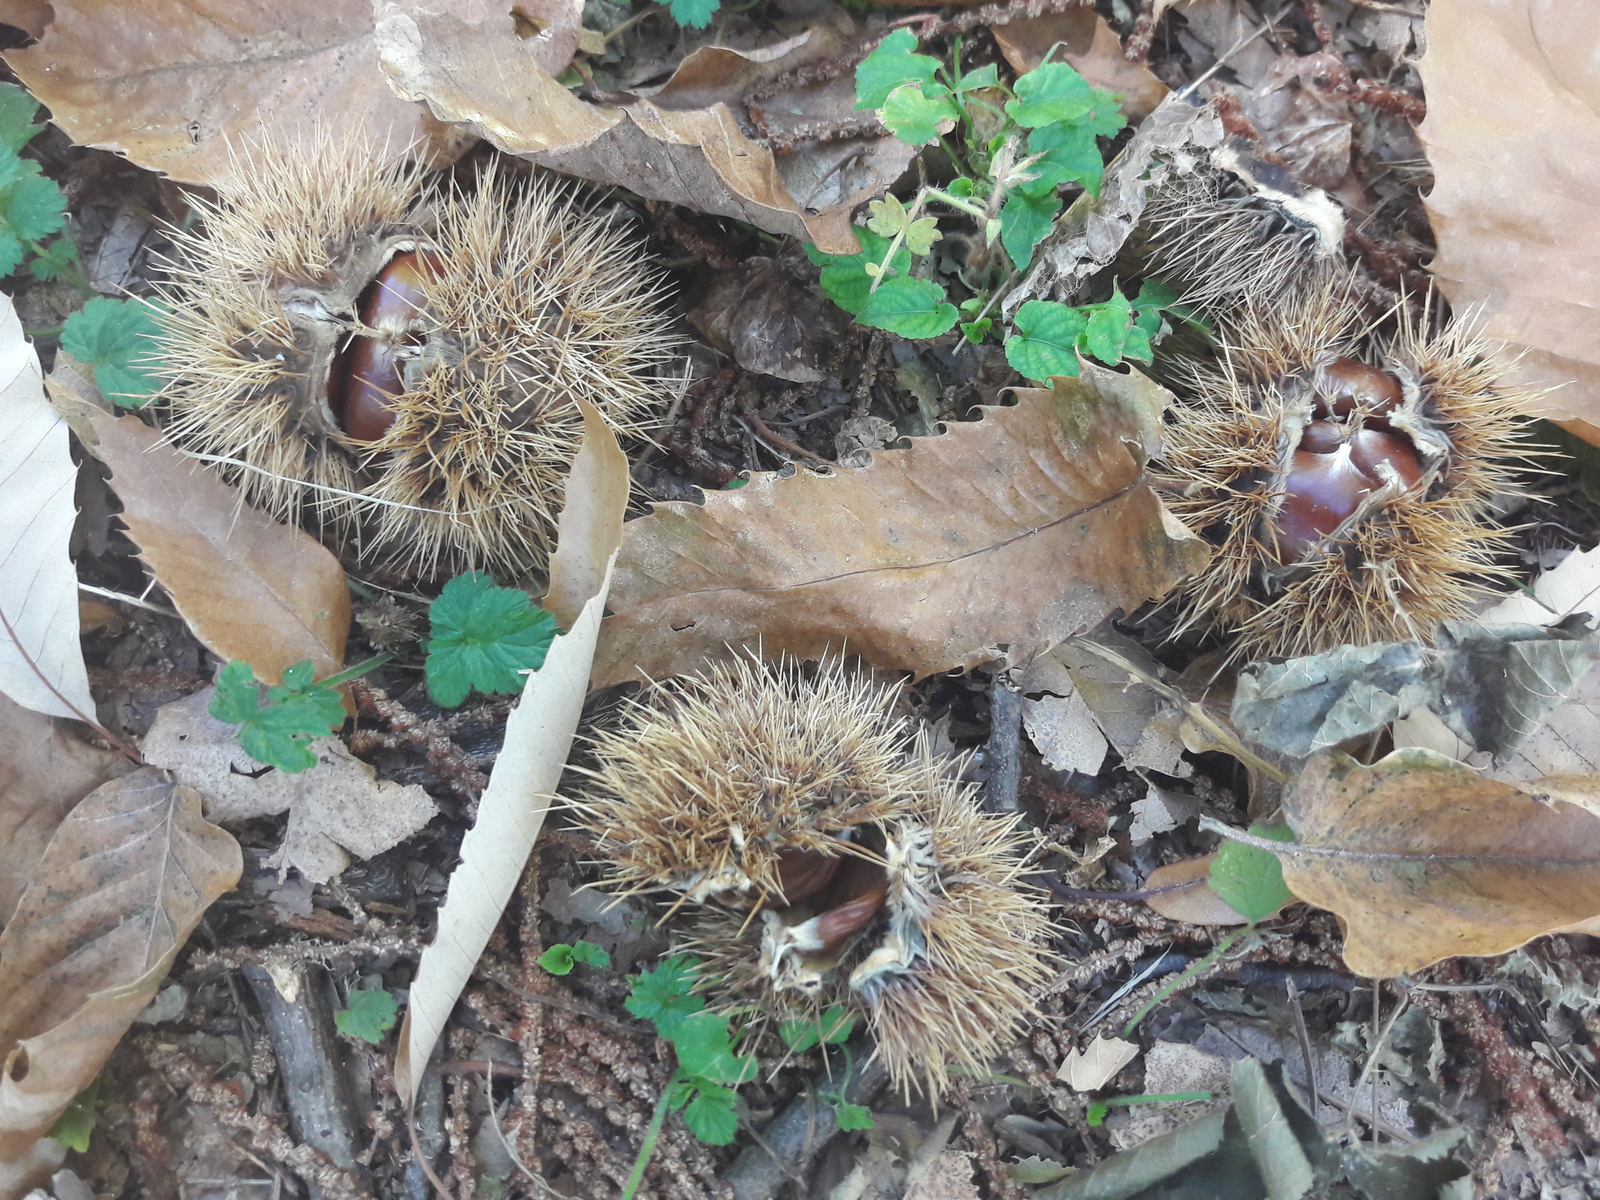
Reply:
x=726, y=791
x=529, y=302
x=1411, y=546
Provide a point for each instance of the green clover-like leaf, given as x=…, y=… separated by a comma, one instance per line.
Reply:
x=278, y=732
x=887, y=216
x=484, y=637
x=663, y=995
x=696, y=14
x=117, y=338
x=844, y=276
x=371, y=1014
x=711, y=1116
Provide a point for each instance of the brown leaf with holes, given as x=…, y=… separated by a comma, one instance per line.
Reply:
x=995, y=540
x=177, y=85
x=1516, y=199
x=685, y=144
x=1423, y=859
x=124, y=881
x=249, y=587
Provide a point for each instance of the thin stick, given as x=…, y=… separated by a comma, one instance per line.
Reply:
x=126, y=599
x=1304, y=1038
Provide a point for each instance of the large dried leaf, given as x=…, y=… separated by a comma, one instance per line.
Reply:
x=539, y=735
x=1516, y=199
x=41, y=663
x=1424, y=859
x=177, y=85
x=124, y=881
x=996, y=540
x=336, y=808
x=44, y=771
x=683, y=145
x=249, y=587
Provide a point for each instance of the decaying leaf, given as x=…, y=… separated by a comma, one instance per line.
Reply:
x=681, y=145
x=44, y=771
x=249, y=587
x=336, y=808
x=769, y=317
x=1516, y=172
x=177, y=85
x=41, y=663
x=124, y=881
x=1181, y=891
x=539, y=734
x=1090, y=1069
x=1423, y=859
x=996, y=540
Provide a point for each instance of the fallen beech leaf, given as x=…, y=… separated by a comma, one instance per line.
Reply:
x=249, y=587
x=176, y=85
x=44, y=771
x=1516, y=177
x=337, y=806
x=124, y=881
x=539, y=735
x=997, y=539
x=678, y=145
x=41, y=663
x=1191, y=900
x=1423, y=859
x=1082, y=38
x=1090, y=1069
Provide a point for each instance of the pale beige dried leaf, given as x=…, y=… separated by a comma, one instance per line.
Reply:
x=41, y=662
x=995, y=540
x=1190, y=899
x=477, y=72
x=125, y=879
x=539, y=735
x=44, y=771
x=1090, y=1069
x=249, y=587
x=1065, y=732
x=179, y=85
x=1424, y=859
x=1516, y=200
x=337, y=808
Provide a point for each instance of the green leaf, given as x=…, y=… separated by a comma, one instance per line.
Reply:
x=296, y=711
x=1024, y=222
x=844, y=276
x=1249, y=879
x=1050, y=94
x=704, y=1049
x=694, y=13
x=919, y=112
x=921, y=234
x=370, y=1015
x=590, y=955
x=853, y=1116
x=893, y=63
x=1071, y=155
x=75, y=1126
x=887, y=216
x=663, y=995
x=984, y=77
x=832, y=1027
x=1107, y=331
x=117, y=339
x=558, y=960
x=913, y=308
x=54, y=259
x=1044, y=339
x=710, y=1116
x=11, y=252
x=32, y=207
x=976, y=331
x=483, y=637
x=17, y=110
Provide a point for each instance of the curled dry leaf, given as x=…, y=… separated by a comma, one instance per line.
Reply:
x=539, y=734
x=124, y=881
x=249, y=587
x=176, y=85
x=336, y=808
x=684, y=145
x=996, y=540
x=41, y=663
x=1517, y=175
x=1424, y=859
x=44, y=771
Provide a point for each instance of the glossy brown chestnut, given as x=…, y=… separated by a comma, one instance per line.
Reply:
x=858, y=891
x=366, y=378
x=1348, y=384
x=1321, y=437
x=804, y=873
x=1322, y=490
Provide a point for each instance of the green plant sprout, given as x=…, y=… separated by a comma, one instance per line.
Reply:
x=708, y=1070
x=484, y=638
x=32, y=207
x=1097, y=1110
x=75, y=1126
x=832, y=1028
x=278, y=732
x=561, y=958
x=370, y=1015
x=1250, y=881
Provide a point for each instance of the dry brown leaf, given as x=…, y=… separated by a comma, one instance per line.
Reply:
x=996, y=540
x=766, y=313
x=124, y=881
x=1423, y=859
x=177, y=85
x=44, y=771
x=1191, y=900
x=30, y=16
x=1516, y=200
x=336, y=808
x=679, y=145
x=1091, y=47
x=249, y=587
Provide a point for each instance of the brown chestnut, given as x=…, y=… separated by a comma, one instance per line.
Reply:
x=1348, y=384
x=1369, y=447
x=1321, y=437
x=804, y=873
x=366, y=378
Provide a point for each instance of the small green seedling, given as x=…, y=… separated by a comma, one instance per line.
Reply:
x=278, y=732
x=696, y=14
x=32, y=207
x=561, y=958
x=75, y=1126
x=371, y=1014
x=832, y=1028
x=117, y=339
x=1097, y=1110
x=485, y=638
